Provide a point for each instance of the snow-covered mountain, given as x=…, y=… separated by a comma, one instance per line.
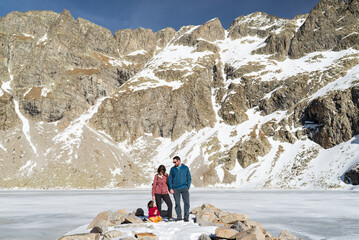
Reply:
x=267, y=103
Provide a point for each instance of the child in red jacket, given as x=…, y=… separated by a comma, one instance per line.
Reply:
x=153, y=213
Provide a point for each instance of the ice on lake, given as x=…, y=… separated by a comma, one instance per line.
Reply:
x=307, y=214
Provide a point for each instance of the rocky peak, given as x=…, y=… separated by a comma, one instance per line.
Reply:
x=96, y=36
x=140, y=45
x=65, y=24
x=278, y=42
x=332, y=24
x=164, y=36
x=130, y=40
x=210, y=31
x=258, y=23
x=323, y=5
x=66, y=15
x=30, y=22
x=144, y=39
x=53, y=59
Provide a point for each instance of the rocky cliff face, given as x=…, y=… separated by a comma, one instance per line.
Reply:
x=352, y=176
x=332, y=24
x=261, y=104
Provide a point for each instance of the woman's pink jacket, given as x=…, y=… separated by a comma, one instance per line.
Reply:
x=160, y=185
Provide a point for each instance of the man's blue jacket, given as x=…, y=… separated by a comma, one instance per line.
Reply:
x=179, y=178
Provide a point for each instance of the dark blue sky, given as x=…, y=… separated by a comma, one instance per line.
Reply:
x=159, y=14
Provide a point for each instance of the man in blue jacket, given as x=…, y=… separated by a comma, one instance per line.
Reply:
x=179, y=183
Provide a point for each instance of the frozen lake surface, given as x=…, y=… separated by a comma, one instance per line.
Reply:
x=308, y=214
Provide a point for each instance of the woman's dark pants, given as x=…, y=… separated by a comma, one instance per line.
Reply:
x=167, y=199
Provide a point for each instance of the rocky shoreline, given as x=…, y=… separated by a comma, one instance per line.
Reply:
x=116, y=225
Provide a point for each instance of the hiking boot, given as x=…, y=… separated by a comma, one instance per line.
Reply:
x=178, y=219
x=186, y=220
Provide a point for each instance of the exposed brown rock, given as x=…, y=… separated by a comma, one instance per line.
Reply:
x=208, y=215
x=164, y=36
x=113, y=234
x=102, y=216
x=335, y=117
x=96, y=230
x=328, y=26
x=258, y=23
x=204, y=237
x=225, y=232
x=352, y=176
x=231, y=218
x=160, y=111
x=130, y=40
x=119, y=217
x=84, y=236
x=252, y=234
x=279, y=44
x=210, y=31
x=286, y=235
x=233, y=108
x=251, y=149
x=8, y=116
x=132, y=219
x=146, y=236
x=63, y=52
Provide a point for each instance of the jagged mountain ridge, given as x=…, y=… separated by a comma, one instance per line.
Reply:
x=253, y=106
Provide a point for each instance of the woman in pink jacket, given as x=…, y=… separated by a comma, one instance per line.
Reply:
x=160, y=190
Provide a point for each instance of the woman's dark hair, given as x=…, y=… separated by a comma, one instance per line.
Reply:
x=161, y=169
x=150, y=204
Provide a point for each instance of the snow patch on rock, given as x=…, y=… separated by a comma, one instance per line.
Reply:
x=43, y=40
x=25, y=126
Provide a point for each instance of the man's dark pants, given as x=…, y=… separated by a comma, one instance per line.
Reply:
x=185, y=197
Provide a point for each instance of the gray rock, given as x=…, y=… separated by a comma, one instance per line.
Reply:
x=352, y=176
x=252, y=233
x=159, y=111
x=335, y=117
x=238, y=226
x=102, y=220
x=118, y=218
x=96, y=230
x=286, y=235
x=251, y=149
x=226, y=233
x=132, y=219
x=204, y=237
x=84, y=236
x=250, y=26
x=113, y=234
x=8, y=115
x=103, y=225
x=146, y=236
x=208, y=215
